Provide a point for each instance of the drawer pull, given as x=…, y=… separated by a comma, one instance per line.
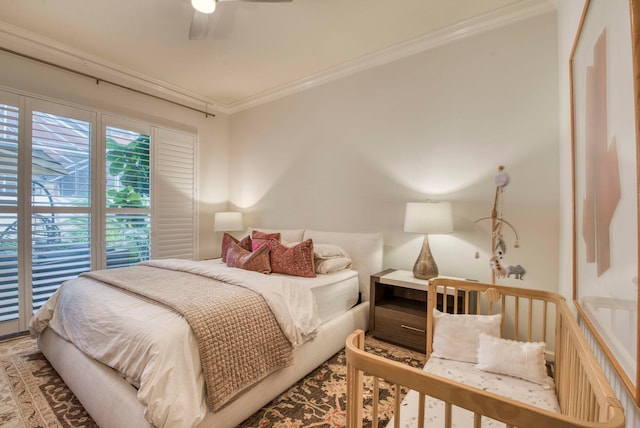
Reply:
x=412, y=328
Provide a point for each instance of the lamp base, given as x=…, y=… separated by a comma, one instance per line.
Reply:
x=425, y=266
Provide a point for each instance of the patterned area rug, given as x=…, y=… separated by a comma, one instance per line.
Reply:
x=318, y=400
x=31, y=392
x=33, y=395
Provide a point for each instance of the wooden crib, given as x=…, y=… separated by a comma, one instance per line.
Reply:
x=584, y=396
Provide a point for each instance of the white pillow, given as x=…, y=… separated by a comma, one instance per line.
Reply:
x=455, y=337
x=332, y=265
x=524, y=360
x=328, y=251
x=365, y=250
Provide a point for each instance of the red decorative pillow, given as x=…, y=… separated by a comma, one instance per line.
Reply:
x=296, y=260
x=258, y=239
x=258, y=261
x=228, y=241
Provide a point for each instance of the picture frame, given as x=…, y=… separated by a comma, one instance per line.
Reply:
x=604, y=76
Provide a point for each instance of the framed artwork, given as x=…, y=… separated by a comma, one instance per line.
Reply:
x=604, y=70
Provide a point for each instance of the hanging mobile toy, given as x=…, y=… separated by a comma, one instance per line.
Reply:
x=498, y=246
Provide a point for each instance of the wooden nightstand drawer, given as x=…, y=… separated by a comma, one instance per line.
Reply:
x=402, y=328
x=398, y=310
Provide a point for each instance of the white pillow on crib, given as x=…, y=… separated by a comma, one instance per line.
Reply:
x=455, y=336
x=524, y=360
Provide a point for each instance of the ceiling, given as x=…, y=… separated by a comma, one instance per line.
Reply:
x=254, y=51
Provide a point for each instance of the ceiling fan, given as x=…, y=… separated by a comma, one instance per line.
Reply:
x=204, y=8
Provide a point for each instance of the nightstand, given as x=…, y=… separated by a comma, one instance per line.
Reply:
x=398, y=309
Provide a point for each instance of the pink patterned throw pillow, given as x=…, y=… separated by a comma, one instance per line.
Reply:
x=228, y=241
x=295, y=260
x=258, y=239
x=258, y=261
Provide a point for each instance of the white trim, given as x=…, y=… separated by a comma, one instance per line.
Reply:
x=505, y=16
x=19, y=40
x=34, y=45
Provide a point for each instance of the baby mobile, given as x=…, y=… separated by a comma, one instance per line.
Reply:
x=498, y=246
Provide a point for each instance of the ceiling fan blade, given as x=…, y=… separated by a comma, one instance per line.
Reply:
x=199, y=26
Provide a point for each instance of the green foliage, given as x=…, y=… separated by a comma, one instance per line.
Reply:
x=125, y=198
x=131, y=164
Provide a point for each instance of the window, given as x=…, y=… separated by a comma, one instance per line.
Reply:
x=127, y=196
x=9, y=119
x=61, y=197
x=83, y=190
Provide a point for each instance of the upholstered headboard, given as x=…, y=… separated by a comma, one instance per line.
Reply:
x=365, y=249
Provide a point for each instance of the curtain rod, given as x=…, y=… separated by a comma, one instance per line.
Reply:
x=99, y=80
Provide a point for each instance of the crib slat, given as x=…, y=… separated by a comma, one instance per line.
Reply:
x=355, y=379
x=466, y=301
x=376, y=400
x=421, y=410
x=447, y=415
x=595, y=413
x=477, y=420
x=544, y=321
x=529, y=321
x=581, y=394
x=584, y=396
x=350, y=395
x=455, y=300
x=396, y=411
x=503, y=312
x=516, y=319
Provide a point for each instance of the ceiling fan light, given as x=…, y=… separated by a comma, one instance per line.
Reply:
x=204, y=6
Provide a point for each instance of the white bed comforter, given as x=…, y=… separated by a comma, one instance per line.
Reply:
x=152, y=346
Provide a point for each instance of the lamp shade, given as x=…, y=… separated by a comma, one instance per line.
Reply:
x=227, y=222
x=428, y=217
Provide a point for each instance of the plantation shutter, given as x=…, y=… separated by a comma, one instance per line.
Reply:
x=9, y=125
x=174, y=195
x=82, y=190
x=127, y=198
x=61, y=146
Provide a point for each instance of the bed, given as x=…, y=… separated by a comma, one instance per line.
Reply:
x=518, y=338
x=114, y=381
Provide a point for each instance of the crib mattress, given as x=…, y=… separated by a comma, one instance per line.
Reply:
x=542, y=396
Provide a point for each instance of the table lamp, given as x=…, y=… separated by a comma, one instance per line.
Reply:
x=227, y=222
x=427, y=218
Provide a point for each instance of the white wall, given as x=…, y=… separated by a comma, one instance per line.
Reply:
x=37, y=79
x=348, y=155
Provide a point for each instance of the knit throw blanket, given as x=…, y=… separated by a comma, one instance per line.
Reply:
x=239, y=339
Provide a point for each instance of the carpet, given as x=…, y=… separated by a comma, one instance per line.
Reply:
x=32, y=395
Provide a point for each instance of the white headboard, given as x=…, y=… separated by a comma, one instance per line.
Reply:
x=365, y=249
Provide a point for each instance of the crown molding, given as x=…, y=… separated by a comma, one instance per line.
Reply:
x=507, y=15
x=19, y=40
